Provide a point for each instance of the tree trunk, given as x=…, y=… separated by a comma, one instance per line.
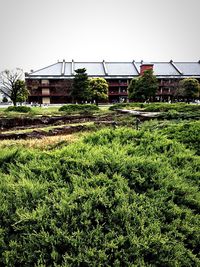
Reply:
x=14, y=102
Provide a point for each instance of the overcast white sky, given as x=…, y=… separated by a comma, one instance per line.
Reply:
x=37, y=33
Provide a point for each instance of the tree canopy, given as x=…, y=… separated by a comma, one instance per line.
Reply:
x=144, y=87
x=12, y=85
x=188, y=88
x=80, y=88
x=98, y=89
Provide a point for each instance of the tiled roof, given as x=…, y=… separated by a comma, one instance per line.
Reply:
x=117, y=69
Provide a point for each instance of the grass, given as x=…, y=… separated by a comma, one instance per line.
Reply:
x=46, y=143
x=45, y=111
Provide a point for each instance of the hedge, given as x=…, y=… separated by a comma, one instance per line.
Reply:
x=22, y=109
x=79, y=108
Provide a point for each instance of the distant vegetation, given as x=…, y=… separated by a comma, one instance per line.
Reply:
x=79, y=108
x=22, y=109
x=143, y=87
x=160, y=107
x=13, y=86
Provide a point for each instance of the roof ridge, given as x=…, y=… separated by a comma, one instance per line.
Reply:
x=104, y=67
x=133, y=62
x=175, y=67
x=44, y=67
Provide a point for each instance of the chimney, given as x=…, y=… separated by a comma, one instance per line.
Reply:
x=145, y=66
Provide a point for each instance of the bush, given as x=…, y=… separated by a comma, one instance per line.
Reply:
x=117, y=198
x=158, y=107
x=79, y=108
x=22, y=109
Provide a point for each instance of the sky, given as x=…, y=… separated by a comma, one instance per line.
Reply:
x=37, y=33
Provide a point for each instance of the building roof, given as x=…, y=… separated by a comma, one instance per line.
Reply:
x=108, y=70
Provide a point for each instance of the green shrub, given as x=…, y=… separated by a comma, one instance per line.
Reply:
x=165, y=107
x=158, y=107
x=116, y=198
x=79, y=108
x=22, y=109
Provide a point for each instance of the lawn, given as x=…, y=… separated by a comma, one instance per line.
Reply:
x=46, y=111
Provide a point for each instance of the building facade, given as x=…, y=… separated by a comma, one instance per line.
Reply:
x=53, y=83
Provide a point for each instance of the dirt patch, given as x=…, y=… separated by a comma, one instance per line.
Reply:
x=41, y=134
x=29, y=123
x=10, y=123
x=23, y=123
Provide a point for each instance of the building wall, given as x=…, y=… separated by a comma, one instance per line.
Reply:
x=58, y=90
x=49, y=91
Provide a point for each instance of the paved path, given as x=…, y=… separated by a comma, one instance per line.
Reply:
x=140, y=113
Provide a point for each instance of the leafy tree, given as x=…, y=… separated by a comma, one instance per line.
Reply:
x=12, y=85
x=5, y=99
x=188, y=88
x=23, y=92
x=80, y=88
x=98, y=89
x=132, y=88
x=144, y=87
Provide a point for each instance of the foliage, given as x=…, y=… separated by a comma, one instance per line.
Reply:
x=188, y=88
x=173, y=114
x=132, y=88
x=22, y=109
x=117, y=198
x=12, y=85
x=82, y=108
x=5, y=99
x=98, y=89
x=80, y=89
x=23, y=92
x=143, y=87
x=156, y=107
x=186, y=132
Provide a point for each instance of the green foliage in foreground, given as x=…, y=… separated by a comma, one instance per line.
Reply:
x=118, y=198
x=22, y=109
x=154, y=107
x=181, y=131
x=79, y=108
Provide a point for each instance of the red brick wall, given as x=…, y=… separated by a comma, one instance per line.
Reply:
x=144, y=67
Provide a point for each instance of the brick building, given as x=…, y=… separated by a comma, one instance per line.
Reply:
x=53, y=83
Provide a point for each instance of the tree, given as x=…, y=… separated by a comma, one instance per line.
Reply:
x=23, y=92
x=144, y=87
x=98, y=89
x=5, y=99
x=12, y=85
x=188, y=88
x=132, y=88
x=80, y=88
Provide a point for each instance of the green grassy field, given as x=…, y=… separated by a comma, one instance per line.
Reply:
x=46, y=111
